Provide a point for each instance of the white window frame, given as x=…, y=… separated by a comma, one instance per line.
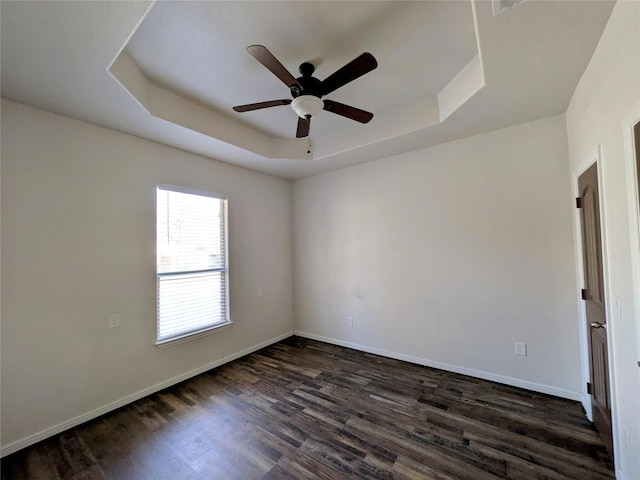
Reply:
x=214, y=327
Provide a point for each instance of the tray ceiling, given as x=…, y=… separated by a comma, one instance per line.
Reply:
x=171, y=71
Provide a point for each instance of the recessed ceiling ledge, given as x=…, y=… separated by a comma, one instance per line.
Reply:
x=173, y=108
x=168, y=106
x=461, y=88
x=387, y=125
x=126, y=72
x=468, y=81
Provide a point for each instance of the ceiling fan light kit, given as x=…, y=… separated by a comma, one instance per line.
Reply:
x=307, y=90
x=307, y=106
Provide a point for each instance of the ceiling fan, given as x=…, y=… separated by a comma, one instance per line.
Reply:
x=308, y=90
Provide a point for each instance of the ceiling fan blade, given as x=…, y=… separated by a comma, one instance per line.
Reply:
x=257, y=106
x=303, y=127
x=266, y=58
x=348, y=111
x=352, y=70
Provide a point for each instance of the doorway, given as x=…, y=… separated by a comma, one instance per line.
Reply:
x=594, y=304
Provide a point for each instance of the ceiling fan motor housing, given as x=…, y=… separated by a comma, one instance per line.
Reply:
x=306, y=102
x=310, y=85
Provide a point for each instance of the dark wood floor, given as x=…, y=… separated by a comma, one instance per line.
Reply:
x=301, y=409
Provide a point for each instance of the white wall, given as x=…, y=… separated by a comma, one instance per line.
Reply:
x=78, y=243
x=608, y=91
x=447, y=256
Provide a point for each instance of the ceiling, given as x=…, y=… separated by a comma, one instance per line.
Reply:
x=170, y=71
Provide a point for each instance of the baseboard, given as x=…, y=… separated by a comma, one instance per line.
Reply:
x=514, y=382
x=585, y=399
x=73, y=422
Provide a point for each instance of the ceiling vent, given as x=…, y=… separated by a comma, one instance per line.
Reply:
x=501, y=6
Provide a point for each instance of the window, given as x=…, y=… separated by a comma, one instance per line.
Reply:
x=191, y=271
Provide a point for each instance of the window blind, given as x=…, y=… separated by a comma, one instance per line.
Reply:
x=191, y=262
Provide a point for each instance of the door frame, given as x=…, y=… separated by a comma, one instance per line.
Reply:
x=594, y=157
x=633, y=201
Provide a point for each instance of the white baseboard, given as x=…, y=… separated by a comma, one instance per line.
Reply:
x=514, y=382
x=585, y=399
x=73, y=422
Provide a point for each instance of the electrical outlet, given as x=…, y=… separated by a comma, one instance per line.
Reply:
x=114, y=320
x=349, y=321
x=521, y=349
x=259, y=293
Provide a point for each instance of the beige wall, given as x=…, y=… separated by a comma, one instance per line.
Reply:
x=447, y=256
x=608, y=91
x=78, y=235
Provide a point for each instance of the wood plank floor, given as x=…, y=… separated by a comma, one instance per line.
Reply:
x=302, y=409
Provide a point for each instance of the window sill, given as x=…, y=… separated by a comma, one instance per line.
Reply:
x=192, y=336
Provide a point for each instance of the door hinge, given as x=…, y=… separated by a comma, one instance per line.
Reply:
x=583, y=294
x=589, y=389
x=579, y=202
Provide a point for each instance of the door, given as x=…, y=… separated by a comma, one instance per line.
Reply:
x=593, y=296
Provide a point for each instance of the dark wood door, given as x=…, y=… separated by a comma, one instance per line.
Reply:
x=593, y=295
